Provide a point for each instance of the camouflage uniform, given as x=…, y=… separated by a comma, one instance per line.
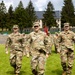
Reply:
x=55, y=37
x=66, y=40
x=50, y=40
x=25, y=51
x=15, y=43
x=39, y=47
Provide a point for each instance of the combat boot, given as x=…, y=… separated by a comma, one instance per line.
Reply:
x=64, y=73
x=68, y=74
x=17, y=74
x=34, y=72
x=40, y=74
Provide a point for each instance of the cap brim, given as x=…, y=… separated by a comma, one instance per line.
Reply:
x=66, y=26
x=36, y=25
x=15, y=27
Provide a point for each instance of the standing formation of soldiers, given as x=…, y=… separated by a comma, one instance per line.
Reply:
x=38, y=45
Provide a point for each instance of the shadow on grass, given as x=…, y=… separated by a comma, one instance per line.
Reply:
x=57, y=71
x=12, y=73
x=22, y=72
x=53, y=52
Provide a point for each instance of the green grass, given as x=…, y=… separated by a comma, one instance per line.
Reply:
x=53, y=65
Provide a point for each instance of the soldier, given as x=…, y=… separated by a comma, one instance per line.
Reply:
x=39, y=49
x=15, y=43
x=66, y=40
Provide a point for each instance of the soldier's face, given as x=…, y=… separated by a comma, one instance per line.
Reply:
x=15, y=29
x=66, y=28
x=36, y=28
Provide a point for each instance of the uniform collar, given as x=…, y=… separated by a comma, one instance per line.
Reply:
x=16, y=33
x=37, y=32
x=67, y=32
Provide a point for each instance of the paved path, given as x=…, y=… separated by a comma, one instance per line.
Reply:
x=3, y=39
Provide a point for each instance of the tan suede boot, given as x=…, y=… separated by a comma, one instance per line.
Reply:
x=64, y=73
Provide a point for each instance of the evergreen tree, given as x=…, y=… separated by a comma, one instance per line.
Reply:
x=31, y=14
x=10, y=11
x=10, y=18
x=20, y=15
x=67, y=14
x=2, y=15
x=48, y=15
x=2, y=8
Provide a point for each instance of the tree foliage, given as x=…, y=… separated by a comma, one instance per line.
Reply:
x=31, y=14
x=19, y=14
x=24, y=17
x=48, y=15
x=68, y=13
x=2, y=15
x=10, y=18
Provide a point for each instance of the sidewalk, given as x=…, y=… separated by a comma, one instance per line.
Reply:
x=3, y=39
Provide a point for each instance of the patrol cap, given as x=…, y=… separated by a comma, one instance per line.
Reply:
x=36, y=24
x=15, y=26
x=66, y=24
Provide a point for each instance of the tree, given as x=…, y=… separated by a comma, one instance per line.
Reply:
x=20, y=15
x=67, y=14
x=48, y=15
x=2, y=15
x=10, y=18
x=31, y=14
x=2, y=7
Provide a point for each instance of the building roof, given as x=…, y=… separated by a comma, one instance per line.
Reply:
x=39, y=14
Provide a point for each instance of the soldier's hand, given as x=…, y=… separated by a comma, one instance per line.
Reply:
x=7, y=52
x=27, y=55
x=58, y=51
x=47, y=55
x=24, y=53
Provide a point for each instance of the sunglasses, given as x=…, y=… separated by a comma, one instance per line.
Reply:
x=66, y=26
x=15, y=28
x=36, y=26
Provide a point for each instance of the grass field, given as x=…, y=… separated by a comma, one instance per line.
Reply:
x=53, y=65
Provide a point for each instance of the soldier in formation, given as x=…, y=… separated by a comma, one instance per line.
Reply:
x=66, y=41
x=15, y=42
x=39, y=48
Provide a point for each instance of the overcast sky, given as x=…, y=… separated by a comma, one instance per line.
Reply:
x=39, y=5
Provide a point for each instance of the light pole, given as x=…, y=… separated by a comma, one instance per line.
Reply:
x=58, y=20
x=60, y=24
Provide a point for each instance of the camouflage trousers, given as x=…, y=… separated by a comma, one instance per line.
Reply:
x=55, y=48
x=67, y=58
x=38, y=64
x=16, y=60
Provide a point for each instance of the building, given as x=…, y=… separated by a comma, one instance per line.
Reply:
x=57, y=16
